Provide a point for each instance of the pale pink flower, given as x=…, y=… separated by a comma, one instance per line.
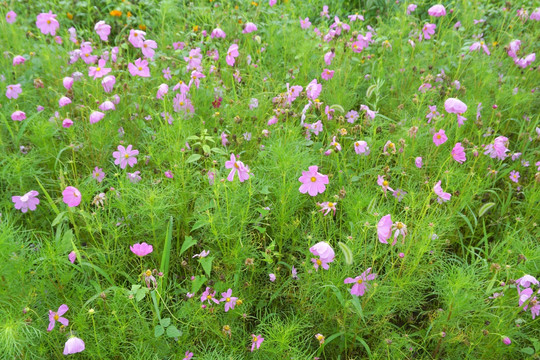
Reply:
x=18, y=60
x=140, y=68
x=28, y=201
x=71, y=196
x=108, y=83
x=361, y=148
x=218, y=33
x=237, y=167
x=428, y=30
x=103, y=30
x=96, y=116
x=439, y=137
x=163, y=89
x=72, y=257
x=384, y=184
x=437, y=10
x=229, y=300
x=312, y=181
x=136, y=37
x=148, y=47
x=327, y=74
x=360, y=282
x=458, y=153
x=73, y=345
x=63, y=101
x=13, y=91
x=99, y=71
x=18, y=115
x=47, y=23
x=256, y=341
x=141, y=249
x=418, y=162
x=232, y=54
x=328, y=57
x=106, y=106
x=11, y=16
x=442, y=196
x=249, y=28
x=327, y=206
x=57, y=316
x=305, y=23
x=125, y=156
x=68, y=82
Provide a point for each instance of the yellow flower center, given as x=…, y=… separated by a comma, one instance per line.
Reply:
x=236, y=165
x=208, y=296
x=330, y=205
x=385, y=183
x=87, y=55
x=48, y=21
x=228, y=299
x=360, y=281
x=148, y=273
x=135, y=34
x=126, y=156
x=56, y=317
x=319, y=262
x=438, y=136
x=98, y=69
x=399, y=225
x=255, y=339
x=313, y=179
x=140, y=68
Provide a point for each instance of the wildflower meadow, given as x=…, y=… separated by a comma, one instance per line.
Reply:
x=270, y=179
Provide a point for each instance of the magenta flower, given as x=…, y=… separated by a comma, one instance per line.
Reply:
x=428, y=30
x=360, y=282
x=99, y=71
x=526, y=281
x=148, y=47
x=188, y=355
x=418, y=162
x=437, y=10
x=67, y=123
x=479, y=45
x=71, y=196
x=498, y=149
x=73, y=345
x=26, y=202
x=98, y=174
x=256, y=341
x=136, y=37
x=249, y=28
x=514, y=176
x=18, y=60
x=11, y=16
x=47, y=23
x=458, y=153
x=327, y=74
x=207, y=295
x=370, y=113
x=411, y=8
x=328, y=57
x=440, y=137
x=442, y=196
x=107, y=105
x=18, y=115
x=324, y=251
x=305, y=23
x=506, y=340
x=361, y=148
x=139, y=69
x=125, y=156
x=64, y=100
x=103, y=30
x=72, y=257
x=384, y=229
x=141, y=249
x=218, y=33
x=313, y=90
x=312, y=181
x=232, y=54
x=229, y=300
x=68, y=82
x=108, y=83
x=57, y=316
x=237, y=167
x=13, y=91
x=96, y=116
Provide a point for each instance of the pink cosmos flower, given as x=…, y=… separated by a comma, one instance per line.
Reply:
x=305, y=23
x=139, y=69
x=312, y=181
x=418, y=162
x=73, y=345
x=384, y=228
x=108, y=83
x=272, y=277
x=370, y=113
x=18, y=115
x=106, y=106
x=327, y=206
x=355, y=17
x=514, y=176
x=327, y=74
x=513, y=48
x=324, y=251
x=249, y=28
x=352, y=116
x=125, y=156
x=232, y=54
x=141, y=249
x=535, y=14
x=328, y=57
x=148, y=47
x=432, y=113
x=208, y=295
x=64, y=101
x=411, y=8
x=68, y=82
x=479, y=44
x=11, y=16
x=71, y=196
x=188, y=355
x=13, y=91
x=498, y=149
x=103, y=30
x=224, y=140
x=100, y=70
x=218, y=33
x=18, y=60
x=67, y=123
x=136, y=37
x=96, y=116
x=440, y=137
x=455, y=106
x=237, y=167
x=202, y=254
x=98, y=174
x=424, y=87
x=194, y=58
x=47, y=23
x=72, y=257
x=57, y=316
x=360, y=282
x=272, y=2
x=437, y=10
x=442, y=196
x=293, y=92
x=26, y=202
x=458, y=153
x=163, y=89
x=361, y=148
x=384, y=184
x=526, y=61
x=256, y=341
x=134, y=177
x=229, y=300
x=428, y=30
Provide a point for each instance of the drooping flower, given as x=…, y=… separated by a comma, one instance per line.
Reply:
x=229, y=300
x=28, y=201
x=64, y=100
x=418, y=162
x=140, y=68
x=411, y=8
x=125, y=156
x=18, y=115
x=458, y=153
x=249, y=28
x=218, y=33
x=439, y=137
x=107, y=105
x=57, y=316
x=320, y=338
x=13, y=91
x=141, y=249
x=526, y=281
x=312, y=181
x=327, y=74
x=498, y=149
x=313, y=90
x=360, y=282
x=442, y=196
x=437, y=10
x=71, y=196
x=480, y=45
x=325, y=253
x=256, y=341
x=188, y=355
x=384, y=228
x=432, y=113
x=96, y=116
x=428, y=30
x=237, y=167
x=18, y=60
x=72, y=257
x=47, y=23
x=103, y=30
x=73, y=345
x=108, y=83
x=327, y=206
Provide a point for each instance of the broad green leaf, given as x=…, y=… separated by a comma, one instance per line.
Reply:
x=173, y=332
x=165, y=322
x=188, y=242
x=193, y=158
x=206, y=263
x=158, y=331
